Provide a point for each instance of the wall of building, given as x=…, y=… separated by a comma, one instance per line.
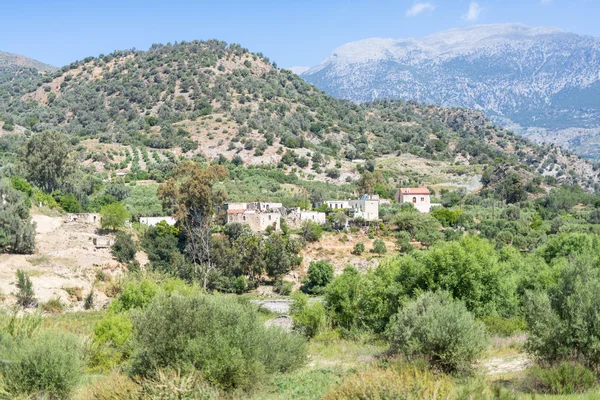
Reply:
x=258, y=222
x=152, y=221
x=366, y=209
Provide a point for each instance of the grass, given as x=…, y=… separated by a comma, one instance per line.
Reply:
x=38, y=260
x=305, y=384
x=79, y=323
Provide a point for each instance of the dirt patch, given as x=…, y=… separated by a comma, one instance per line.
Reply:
x=65, y=258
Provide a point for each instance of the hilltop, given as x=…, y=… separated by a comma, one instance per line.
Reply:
x=15, y=60
x=212, y=100
x=542, y=82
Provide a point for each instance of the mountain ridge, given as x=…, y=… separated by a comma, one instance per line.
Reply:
x=541, y=78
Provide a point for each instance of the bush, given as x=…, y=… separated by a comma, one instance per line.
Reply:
x=405, y=382
x=69, y=203
x=135, y=295
x=379, y=247
x=309, y=320
x=320, y=274
x=359, y=248
x=284, y=288
x=504, y=327
x=311, y=232
x=441, y=330
x=563, y=322
x=341, y=299
x=25, y=294
x=124, y=248
x=218, y=336
x=49, y=364
x=565, y=378
x=174, y=385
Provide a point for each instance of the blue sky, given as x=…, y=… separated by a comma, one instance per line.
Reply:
x=291, y=33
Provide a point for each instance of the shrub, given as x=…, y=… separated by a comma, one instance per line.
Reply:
x=124, y=248
x=441, y=330
x=565, y=378
x=284, y=288
x=49, y=363
x=379, y=247
x=69, y=203
x=406, y=382
x=135, y=295
x=311, y=232
x=504, y=327
x=54, y=305
x=563, y=321
x=25, y=294
x=308, y=319
x=175, y=385
x=320, y=274
x=88, y=304
x=341, y=299
x=218, y=336
x=359, y=248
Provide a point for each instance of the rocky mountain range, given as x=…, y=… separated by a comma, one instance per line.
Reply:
x=543, y=82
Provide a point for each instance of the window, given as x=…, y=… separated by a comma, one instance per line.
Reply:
x=422, y=198
x=414, y=199
x=244, y=217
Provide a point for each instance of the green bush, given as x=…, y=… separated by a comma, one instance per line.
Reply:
x=342, y=300
x=25, y=294
x=359, y=248
x=124, y=248
x=284, y=288
x=218, y=336
x=69, y=203
x=309, y=319
x=504, y=327
x=563, y=321
x=172, y=385
x=379, y=247
x=114, y=216
x=135, y=295
x=440, y=329
x=311, y=231
x=48, y=364
x=319, y=275
x=565, y=378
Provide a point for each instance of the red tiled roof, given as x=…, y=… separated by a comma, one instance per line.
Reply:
x=235, y=211
x=414, y=190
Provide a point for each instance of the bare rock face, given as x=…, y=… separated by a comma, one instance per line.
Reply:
x=542, y=82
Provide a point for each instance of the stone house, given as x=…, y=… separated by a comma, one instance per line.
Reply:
x=257, y=221
x=419, y=197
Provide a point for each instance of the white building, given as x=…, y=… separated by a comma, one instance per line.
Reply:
x=365, y=208
x=419, y=197
x=152, y=221
x=337, y=204
x=315, y=216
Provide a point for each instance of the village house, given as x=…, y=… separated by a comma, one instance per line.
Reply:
x=152, y=221
x=419, y=197
x=294, y=217
x=256, y=220
x=365, y=208
x=83, y=218
x=336, y=204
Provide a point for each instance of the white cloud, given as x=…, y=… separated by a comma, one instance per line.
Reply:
x=473, y=12
x=419, y=8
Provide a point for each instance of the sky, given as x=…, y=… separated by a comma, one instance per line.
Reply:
x=291, y=33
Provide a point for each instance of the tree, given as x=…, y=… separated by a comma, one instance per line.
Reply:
x=320, y=274
x=17, y=232
x=439, y=328
x=113, y=216
x=563, y=321
x=340, y=218
x=48, y=160
x=190, y=193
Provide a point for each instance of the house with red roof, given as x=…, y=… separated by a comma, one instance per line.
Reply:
x=419, y=197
